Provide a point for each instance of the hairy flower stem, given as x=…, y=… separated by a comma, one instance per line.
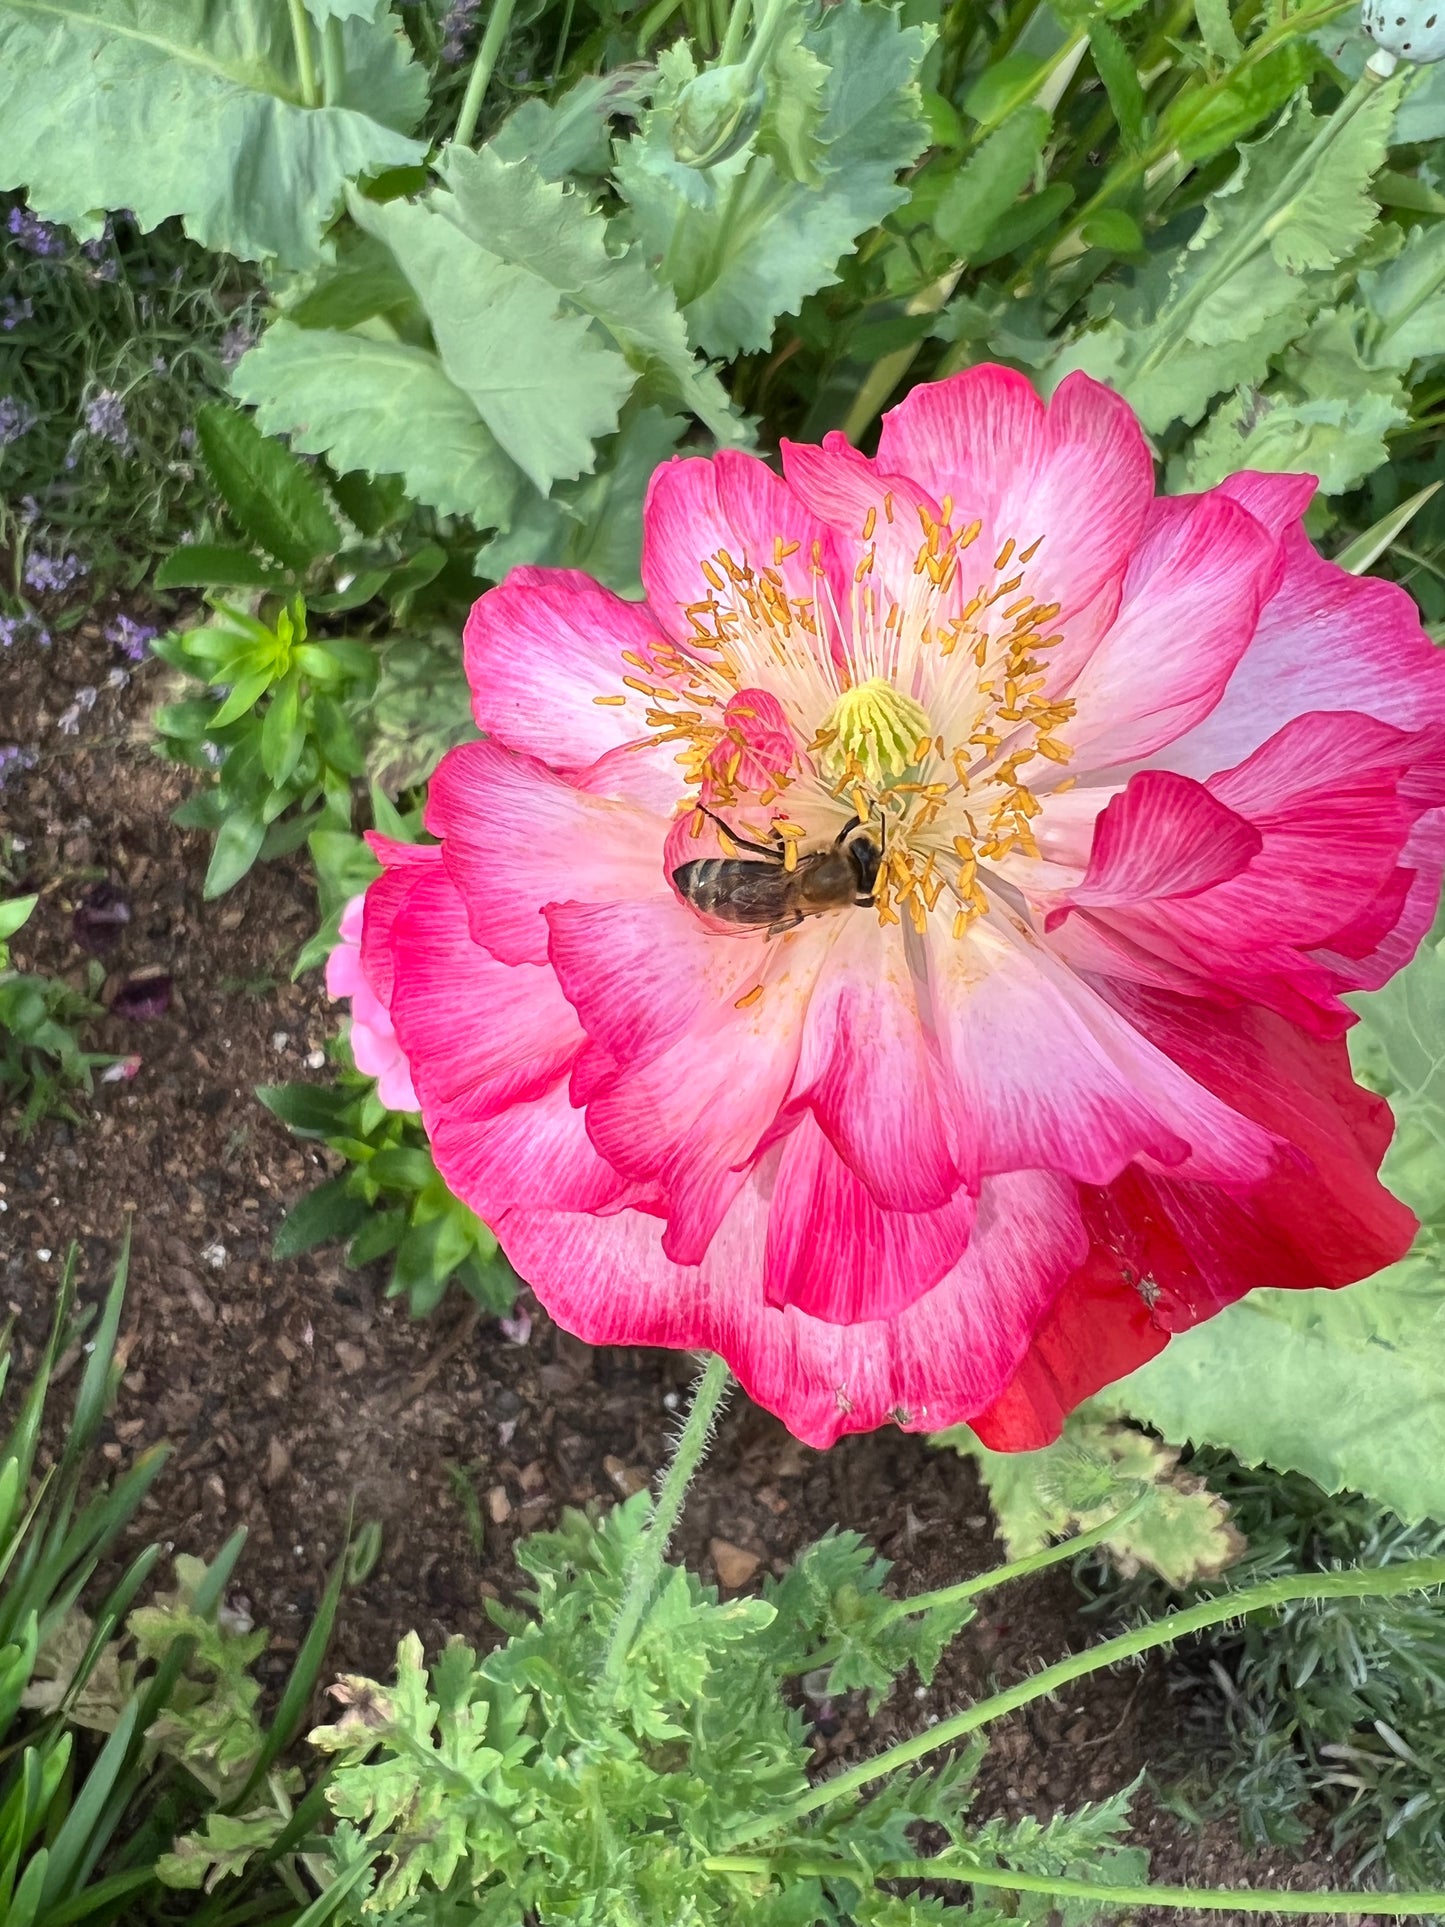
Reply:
x=1375, y=1583
x=647, y=1559
x=956, y=1866
x=924, y=1602
x=499, y=23
x=305, y=59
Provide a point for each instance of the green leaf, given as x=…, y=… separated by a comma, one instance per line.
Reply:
x=312, y=1109
x=211, y=565
x=1004, y=86
x=791, y=130
x=513, y=212
x=571, y=135
x=14, y=913
x=1216, y=30
x=743, y=245
x=1250, y=276
x=1257, y=1378
x=972, y=204
x=382, y=407
x=541, y=379
x=1328, y=414
x=1406, y=300
x=275, y=498
x=171, y=94
x=238, y=844
x=1367, y=547
x=1094, y=1472
x=1114, y=65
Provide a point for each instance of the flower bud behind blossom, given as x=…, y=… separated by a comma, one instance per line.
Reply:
x=906, y=954
x=717, y=113
x=373, y=1041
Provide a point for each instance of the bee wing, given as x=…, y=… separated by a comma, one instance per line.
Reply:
x=737, y=892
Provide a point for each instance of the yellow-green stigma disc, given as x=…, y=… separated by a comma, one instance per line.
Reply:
x=876, y=730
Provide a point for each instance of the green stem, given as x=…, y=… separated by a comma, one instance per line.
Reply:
x=956, y=1866
x=647, y=1558
x=732, y=45
x=333, y=62
x=305, y=60
x=1373, y=1583
x=924, y=1602
x=499, y=23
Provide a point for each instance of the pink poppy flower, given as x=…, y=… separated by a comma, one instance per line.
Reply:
x=373, y=1041
x=1132, y=790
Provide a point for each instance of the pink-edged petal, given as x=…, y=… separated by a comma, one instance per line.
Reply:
x=1328, y=797
x=393, y=1084
x=534, y=1156
x=540, y=648
x=1049, y=1077
x=402, y=864
x=516, y=837
x=946, y=1357
x=1075, y=478
x=1277, y=502
x=836, y=1254
x=1163, y=835
x=1192, y=597
x=873, y=1077
x=1326, y=640
x=707, y=522
x=344, y=974
x=479, y=1035
x=850, y=493
x=688, y=1112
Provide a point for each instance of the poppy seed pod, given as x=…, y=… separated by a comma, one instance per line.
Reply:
x=1409, y=29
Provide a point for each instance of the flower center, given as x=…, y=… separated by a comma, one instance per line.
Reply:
x=877, y=730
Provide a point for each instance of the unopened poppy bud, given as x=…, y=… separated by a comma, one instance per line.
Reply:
x=717, y=112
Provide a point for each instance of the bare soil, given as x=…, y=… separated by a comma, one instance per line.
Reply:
x=288, y=1390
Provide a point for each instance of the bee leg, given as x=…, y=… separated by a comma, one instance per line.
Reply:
x=772, y=850
x=790, y=923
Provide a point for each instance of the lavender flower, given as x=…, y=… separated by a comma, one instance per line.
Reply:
x=105, y=419
x=15, y=629
x=132, y=638
x=53, y=574
x=13, y=757
x=15, y=311
x=458, y=25
x=17, y=418
x=33, y=234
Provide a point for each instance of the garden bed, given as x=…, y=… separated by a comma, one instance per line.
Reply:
x=286, y=1390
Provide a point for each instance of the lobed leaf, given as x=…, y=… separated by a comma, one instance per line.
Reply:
x=169, y=93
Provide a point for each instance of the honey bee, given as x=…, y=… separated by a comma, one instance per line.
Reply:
x=767, y=894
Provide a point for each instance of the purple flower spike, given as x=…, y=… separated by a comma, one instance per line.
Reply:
x=105, y=419
x=53, y=574
x=17, y=418
x=33, y=234
x=132, y=638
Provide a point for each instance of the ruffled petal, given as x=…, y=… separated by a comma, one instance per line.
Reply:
x=873, y=1077
x=541, y=648
x=479, y=1035
x=1049, y=1076
x=1163, y=835
x=516, y=837
x=706, y=521
x=533, y=1156
x=701, y=1072
x=1075, y=478
x=1192, y=596
x=836, y=1254
x=608, y=1281
x=1326, y=640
